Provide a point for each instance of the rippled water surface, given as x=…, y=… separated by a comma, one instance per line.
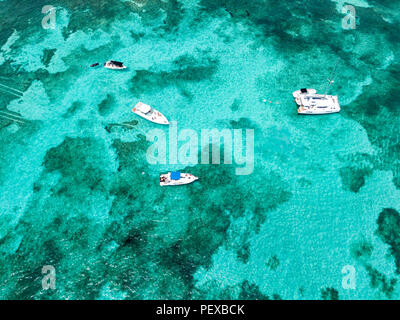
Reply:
x=77, y=192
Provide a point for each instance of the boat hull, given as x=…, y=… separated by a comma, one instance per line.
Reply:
x=186, y=178
x=152, y=116
x=115, y=68
x=311, y=103
x=306, y=111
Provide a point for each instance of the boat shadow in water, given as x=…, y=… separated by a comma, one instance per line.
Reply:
x=126, y=125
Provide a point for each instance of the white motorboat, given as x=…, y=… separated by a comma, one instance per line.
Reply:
x=176, y=179
x=310, y=102
x=147, y=112
x=114, y=65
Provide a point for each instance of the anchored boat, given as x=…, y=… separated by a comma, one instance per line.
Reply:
x=176, y=179
x=114, y=65
x=147, y=112
x=310, y=102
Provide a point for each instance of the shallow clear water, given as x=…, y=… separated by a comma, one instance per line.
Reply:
x=77, y=193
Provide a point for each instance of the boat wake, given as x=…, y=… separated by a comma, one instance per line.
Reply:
x=11, y=90
x=12, y=116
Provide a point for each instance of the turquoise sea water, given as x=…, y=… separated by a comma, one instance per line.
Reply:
x=77, y=193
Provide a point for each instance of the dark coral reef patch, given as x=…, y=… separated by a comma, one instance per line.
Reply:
x=389, y=231
x=183, y=70
x=329, y=294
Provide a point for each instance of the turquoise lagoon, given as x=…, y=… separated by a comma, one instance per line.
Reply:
x=77, y=193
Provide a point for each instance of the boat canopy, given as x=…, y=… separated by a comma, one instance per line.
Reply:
x=175, y=175
x=117, y=63
x=142, y=107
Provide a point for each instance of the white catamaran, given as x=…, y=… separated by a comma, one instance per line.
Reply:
x=147, y=112
x=309, y=102
x=176, y=179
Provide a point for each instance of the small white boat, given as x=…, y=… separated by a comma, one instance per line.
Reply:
x=176, y=179
x=310, y=102
x=147, y=112
x=114, y=65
